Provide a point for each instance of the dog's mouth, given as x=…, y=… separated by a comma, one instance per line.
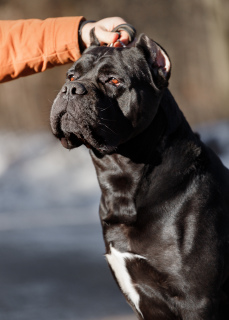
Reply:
x=71, y=141
x=73, y=134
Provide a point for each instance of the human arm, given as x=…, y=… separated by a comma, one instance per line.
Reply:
x=33, y=45
x=30, y=46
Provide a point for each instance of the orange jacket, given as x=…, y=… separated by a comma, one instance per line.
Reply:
x=30, y=46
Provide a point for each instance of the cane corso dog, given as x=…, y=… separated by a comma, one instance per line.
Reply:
x=165, y=195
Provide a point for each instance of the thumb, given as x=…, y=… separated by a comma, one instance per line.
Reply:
x=106, y=36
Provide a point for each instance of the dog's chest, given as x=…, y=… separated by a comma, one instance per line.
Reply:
x=118, y=263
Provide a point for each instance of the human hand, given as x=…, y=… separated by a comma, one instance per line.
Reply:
x=103, y=32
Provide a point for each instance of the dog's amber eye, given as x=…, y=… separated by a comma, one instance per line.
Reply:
x=114, y=81
x=72, y=78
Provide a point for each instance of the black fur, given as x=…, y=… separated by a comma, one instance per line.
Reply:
x=165, y=195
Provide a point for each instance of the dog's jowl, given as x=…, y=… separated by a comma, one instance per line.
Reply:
x=165, y=195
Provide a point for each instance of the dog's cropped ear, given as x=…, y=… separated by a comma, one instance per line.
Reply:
x=157, y=58
x=93, y=39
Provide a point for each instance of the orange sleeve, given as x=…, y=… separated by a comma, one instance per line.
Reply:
x=30, y=46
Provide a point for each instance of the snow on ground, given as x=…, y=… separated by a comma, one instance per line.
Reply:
x=39, y=177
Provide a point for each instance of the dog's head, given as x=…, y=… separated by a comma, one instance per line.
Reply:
x=110, y=95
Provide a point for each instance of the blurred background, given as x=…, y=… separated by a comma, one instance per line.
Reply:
x=52, y=262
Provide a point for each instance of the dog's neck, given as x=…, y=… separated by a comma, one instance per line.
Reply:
x=146, y=147
x=127, y=167
x=142, y=149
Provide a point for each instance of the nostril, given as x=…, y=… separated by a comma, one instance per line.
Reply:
x=64, y=89
x=78, y=88
x=73, y=91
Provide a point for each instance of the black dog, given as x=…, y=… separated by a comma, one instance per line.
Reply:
x=165, y=195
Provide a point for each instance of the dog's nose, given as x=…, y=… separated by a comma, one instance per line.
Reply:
x=74, y=89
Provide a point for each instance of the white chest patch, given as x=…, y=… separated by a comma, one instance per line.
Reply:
x=117, y=262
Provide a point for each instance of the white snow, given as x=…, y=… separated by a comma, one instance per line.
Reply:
x=43, y=183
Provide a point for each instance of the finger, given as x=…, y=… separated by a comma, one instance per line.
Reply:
x=124, y=37
x=106, y=36
x=117, y=45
